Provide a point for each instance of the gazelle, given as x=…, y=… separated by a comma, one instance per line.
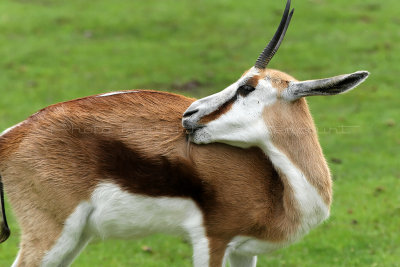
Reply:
x=120, y=165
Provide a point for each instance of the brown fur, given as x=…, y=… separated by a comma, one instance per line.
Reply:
x=217, y=251
x=279, y=79
x=136, y=140
x=253, y=81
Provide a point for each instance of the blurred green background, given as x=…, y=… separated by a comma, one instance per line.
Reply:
x=52, y=51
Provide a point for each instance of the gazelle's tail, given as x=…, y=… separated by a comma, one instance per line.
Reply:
x=4, y=230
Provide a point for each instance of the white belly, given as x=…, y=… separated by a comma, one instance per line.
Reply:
x=120, y=214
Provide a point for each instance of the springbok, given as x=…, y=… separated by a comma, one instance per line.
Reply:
x=120, y=165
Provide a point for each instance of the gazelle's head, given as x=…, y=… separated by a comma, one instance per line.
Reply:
x=237, y=114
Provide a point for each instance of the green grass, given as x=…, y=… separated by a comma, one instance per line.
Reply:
x=51, y=51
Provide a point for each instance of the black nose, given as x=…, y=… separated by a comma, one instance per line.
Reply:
x=189, y=112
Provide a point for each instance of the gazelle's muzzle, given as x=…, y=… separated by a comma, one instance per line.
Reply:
x=192, y=117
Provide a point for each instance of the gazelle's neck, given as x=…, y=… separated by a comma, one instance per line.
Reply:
x=296, y=138
x=293, y=148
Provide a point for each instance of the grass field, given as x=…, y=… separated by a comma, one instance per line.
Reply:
x=52, y=51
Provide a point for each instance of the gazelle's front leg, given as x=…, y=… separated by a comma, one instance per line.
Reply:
x=201, y=254
x=208, y=252
x=237, y=260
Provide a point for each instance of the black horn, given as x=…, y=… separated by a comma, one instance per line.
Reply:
x=270, y=50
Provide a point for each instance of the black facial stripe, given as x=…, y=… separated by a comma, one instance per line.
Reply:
x=245, y=89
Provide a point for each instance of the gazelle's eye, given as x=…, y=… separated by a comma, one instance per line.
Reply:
x=245, y=89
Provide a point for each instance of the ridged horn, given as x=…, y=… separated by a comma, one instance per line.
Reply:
x=273, y=46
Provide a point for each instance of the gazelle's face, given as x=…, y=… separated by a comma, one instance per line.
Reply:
x=235, y=115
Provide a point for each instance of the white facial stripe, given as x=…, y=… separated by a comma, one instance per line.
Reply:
x=209, y=104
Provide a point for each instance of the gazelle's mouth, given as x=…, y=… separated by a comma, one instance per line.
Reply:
x=191, y=131
x=191, y=124
x=191, y=127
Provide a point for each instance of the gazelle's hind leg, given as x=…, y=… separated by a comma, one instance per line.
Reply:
x=38, y=236
x=85, y=239
x=72, y=239
x=51, y=244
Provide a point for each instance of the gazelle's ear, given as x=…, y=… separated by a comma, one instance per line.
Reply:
x=330, y=86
